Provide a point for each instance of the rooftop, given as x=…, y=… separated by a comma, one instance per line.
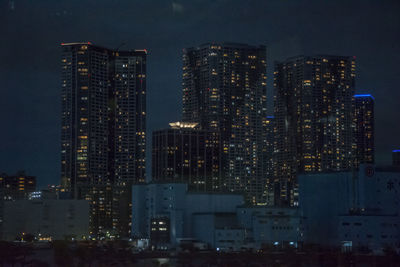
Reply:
x=364, y=96
x=139, y=51
x=180, y=124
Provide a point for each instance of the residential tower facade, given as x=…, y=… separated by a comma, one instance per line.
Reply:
x=313, y=113
x=364, y=129
x=186, y=153
x=224, y=89
x=103, y=134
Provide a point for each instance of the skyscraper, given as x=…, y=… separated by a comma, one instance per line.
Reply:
x=363, y=117
x=84, y=135
x=270, y=130
x=103, y=125
x=224, y=89
x=313, y=113
x=185, y=153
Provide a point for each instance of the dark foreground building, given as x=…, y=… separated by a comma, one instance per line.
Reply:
x=13, y=188
x=103, y=134
x=224, y=89
x=46, y=219
x=16, y=187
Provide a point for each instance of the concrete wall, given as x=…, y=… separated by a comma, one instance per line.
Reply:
x=209, y=203
x=267, y=225
x=322, y=197
x=204, y=228
x=139, y=208
x=372, y=232
x=379, y=189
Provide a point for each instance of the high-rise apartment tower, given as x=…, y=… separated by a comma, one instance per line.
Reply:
x=103, y=136
x=224, y=89
x=313, y=116
x=363, y=117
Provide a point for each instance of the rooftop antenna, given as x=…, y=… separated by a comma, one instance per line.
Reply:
x=121, y=45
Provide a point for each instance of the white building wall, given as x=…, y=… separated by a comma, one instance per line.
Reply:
x=374, y=232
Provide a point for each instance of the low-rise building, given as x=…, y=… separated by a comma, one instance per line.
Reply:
x=46, y=218
x=167, y=213
x=172, y=205
x=272, y=226
x=354, y=210
x=322, y=198
x=14, y=187
x=219, y=230
x=369, y=232
x=17, y=186
x=358, y=211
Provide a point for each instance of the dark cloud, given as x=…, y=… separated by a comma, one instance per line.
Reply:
x=31, y=32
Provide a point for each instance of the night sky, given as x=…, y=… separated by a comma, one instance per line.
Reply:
x=31, y=32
